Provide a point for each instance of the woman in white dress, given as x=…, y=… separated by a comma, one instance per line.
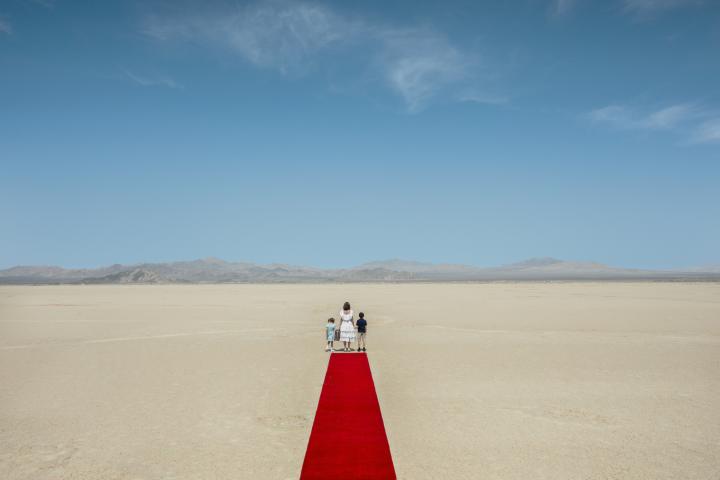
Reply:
x=347, y=326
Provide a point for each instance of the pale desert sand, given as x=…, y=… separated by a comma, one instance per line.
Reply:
x=493, y=381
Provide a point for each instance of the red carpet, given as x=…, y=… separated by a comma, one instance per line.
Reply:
x=348, y=438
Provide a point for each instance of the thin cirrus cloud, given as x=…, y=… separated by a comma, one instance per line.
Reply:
x=562, y=7
x=628, y=118
x=5, y=27
x=641, y=8
x=146, y=81
x=418, y=64
x=282, y=36
x=688, y=119
x=707, y=132
x=651, y=6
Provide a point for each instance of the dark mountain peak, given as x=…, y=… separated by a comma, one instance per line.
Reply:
x=537, y=262
x=213, y=260
x=135, y=275
x=395, y=264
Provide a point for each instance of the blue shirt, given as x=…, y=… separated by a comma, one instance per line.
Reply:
x=362, y=325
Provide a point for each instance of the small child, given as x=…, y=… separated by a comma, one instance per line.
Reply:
x=362, y=331
x=330, y=334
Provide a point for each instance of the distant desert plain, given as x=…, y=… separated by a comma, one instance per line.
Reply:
x=504, y=380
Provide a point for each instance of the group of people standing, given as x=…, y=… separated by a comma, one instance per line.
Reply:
x=346, y=333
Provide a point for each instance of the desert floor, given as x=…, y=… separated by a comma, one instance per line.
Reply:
x=494, y=381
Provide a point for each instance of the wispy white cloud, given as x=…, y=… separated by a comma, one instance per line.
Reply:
x=152, y=81
x=639, y=8
x=644, y=7
x=488, y=99
x=562, y=7
x=707, y=132
x=5, y=26
x=274, y=34
x=684, y=118
x=627, y=118
x=672, y=116
x=418, y=64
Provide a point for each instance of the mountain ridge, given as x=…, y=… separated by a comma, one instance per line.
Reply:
x=215, y=270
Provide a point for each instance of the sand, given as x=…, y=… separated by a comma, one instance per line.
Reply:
x=493, y=381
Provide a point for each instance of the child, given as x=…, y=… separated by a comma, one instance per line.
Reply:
x=362, y=331
x=330, y=334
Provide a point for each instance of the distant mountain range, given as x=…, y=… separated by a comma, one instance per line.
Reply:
x=214, y=270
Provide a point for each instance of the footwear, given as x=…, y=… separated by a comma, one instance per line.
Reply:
x=364, y=349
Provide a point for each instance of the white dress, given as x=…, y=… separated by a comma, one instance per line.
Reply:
x=347, y=329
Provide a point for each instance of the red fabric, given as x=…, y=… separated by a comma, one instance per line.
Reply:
x=348, y=437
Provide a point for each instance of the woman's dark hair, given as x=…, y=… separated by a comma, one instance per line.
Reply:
x=346, y=306
x=361, y=315
x=331, y=320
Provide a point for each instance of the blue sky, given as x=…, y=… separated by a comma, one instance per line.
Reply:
x=333, y=133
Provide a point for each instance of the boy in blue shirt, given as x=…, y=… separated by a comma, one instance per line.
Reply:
x=362, y=332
